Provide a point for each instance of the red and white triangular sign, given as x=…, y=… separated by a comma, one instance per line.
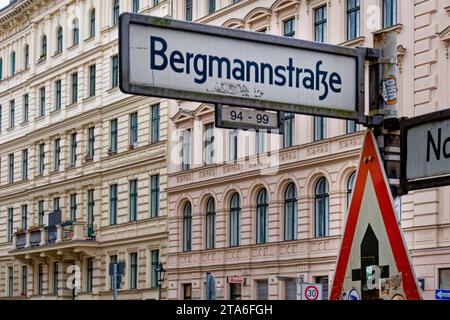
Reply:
x=372, y=237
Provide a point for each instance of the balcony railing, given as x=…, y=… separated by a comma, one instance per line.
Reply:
x=35, y=236
x=21, y=240
x=43, y=236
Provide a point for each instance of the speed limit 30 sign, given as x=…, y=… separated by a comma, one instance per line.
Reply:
x=311, y=291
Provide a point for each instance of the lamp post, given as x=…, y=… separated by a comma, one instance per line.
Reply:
x=161, y=272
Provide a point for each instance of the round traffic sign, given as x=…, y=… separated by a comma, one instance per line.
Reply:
x=354, y=295
x=311, y=293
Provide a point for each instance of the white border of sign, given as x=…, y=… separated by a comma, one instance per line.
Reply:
x=126, y=86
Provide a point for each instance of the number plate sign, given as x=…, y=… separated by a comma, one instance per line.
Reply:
x=232, y=117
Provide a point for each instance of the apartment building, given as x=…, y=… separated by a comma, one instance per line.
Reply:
x=90, y=176
x=83, y=173
x=262, y=212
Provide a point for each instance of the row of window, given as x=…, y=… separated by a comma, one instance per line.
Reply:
x=353, y=20
x=75, y=36
x=260, y=143
x=320, y=26
x=113, y=206
x=58, y=96
x=262, y=289
x=321, y=209
x=235, y=290
x=90, y=148
x=353, y=14
x=55, y=279
x=211, y=7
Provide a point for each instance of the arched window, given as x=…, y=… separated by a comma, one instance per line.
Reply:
x=187, y=227
x=26, y=56
x=261, y=217
x=59, y=40
x=92, y=24
x=350, y=186
x=44, y=47
x=322, y=208
x=115, y=13
x=290, y=213
x=235, y=220
x=13, y=63
x=210, y=224
x=75, y=32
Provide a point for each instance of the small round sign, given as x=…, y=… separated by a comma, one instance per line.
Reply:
x=353, y=295
x=311, y=293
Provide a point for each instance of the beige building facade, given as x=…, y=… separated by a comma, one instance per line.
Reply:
x=259, y=221
x=83, y=166
x=146, y=180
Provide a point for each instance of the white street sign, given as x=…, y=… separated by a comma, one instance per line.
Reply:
x=425, y=161
x=182, y=60
x=429, y=152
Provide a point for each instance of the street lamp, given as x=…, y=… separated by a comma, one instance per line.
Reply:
x=161, y=272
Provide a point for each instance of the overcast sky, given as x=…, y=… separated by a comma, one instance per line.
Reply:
x=3, y=3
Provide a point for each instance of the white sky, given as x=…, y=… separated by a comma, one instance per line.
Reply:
x=3, y=3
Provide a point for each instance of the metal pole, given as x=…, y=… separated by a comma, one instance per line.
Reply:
x=159, y=291
x=383, y=74
x=115, y=281
x=74, y=283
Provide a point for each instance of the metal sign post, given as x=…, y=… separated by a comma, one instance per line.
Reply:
x=182, y=60
x=115, y=281
x=383, y=86
x=116, y=270
x=210, y=287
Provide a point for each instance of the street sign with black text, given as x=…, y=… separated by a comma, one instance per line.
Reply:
x=425, y=151
x=182, y=60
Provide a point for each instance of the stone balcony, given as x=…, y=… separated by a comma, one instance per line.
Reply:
x=63, y=242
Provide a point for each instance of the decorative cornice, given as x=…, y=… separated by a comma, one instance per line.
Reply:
x=445, y=37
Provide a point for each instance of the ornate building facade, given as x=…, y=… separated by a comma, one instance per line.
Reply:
x=259, y=221
x=83, y=166
x=90, y=175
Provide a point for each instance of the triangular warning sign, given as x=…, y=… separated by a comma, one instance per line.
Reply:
x=373, y=249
